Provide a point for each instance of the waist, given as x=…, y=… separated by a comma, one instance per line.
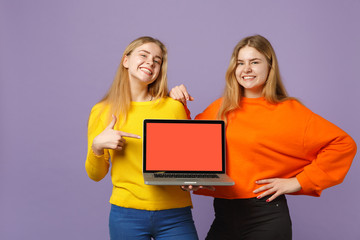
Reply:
x=249, y=202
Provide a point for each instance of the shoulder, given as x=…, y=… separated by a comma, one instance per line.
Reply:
x=294, y=106
x=99, y=112
x=168, y=101
x=215, y=105
x=97, y=107
x=168, y=108
x=211, y=111
x=170, y=104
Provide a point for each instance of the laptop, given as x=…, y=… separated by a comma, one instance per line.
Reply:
x=184, y=152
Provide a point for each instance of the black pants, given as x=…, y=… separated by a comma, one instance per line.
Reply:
x=250, y=219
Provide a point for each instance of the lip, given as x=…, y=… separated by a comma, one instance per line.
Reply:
x=146, y=70
x=248, y=77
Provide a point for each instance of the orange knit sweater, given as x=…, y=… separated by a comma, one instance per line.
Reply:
x=281, y=141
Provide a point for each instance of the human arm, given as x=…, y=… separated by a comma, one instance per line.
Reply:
x=101, y=138
x=334, y=152
x=329, y=152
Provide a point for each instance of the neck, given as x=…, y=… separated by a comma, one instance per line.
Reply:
x=256, y=93
x=140, y=93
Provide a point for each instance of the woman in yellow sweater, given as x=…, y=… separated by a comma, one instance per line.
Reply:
x=139, y=91
x=275, y=146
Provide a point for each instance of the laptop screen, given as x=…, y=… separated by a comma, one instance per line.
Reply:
x=184, y=146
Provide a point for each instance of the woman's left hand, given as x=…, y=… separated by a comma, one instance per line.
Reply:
x=277, y=187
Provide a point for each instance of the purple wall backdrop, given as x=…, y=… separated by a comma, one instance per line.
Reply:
x=57, y=58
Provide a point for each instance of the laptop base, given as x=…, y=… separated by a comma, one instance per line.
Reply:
x=223, y=180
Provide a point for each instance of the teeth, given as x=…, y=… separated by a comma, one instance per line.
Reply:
x=248, y=77
x=147, y=70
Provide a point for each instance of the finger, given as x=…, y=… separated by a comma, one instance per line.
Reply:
x=194, y=188
x=184, y=91
x=130, y=135
x=272, y=197
x=112, y=123
x=264, y=181
x=121, y=142
x=179, y=95
x=187, y=188
x=118, y=148
x=172, y=93
x=212, y=188
x=263, y=188
x=264, y=194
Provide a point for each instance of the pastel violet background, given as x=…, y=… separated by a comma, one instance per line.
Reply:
x=57, y=59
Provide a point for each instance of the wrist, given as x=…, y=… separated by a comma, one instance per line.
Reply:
x=98, y=151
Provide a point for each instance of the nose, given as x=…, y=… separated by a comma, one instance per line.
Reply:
x=150, y=61
x=247, y=68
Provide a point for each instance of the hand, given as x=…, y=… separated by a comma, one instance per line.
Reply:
x=110, y=139
x=195, y=188
x=181, y=94
x=277, y=187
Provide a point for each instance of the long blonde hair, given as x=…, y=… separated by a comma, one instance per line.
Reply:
x=273, y=91
x=118, y=96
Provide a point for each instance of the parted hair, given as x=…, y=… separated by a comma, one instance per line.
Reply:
x=273, y=91
x=118, y=96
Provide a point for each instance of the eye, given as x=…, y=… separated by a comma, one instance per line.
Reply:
x=255, y=62
x=240, y=63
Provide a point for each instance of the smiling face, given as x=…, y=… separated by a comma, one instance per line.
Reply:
x=144, y=63
x=251, y=71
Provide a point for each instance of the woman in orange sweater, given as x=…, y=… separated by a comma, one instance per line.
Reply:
x=275, y=146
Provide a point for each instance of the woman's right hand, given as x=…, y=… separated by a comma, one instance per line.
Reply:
x=110, y=139
x=181, y=94
x=195, y=188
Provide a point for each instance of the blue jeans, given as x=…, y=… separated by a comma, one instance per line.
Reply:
x=172, y=224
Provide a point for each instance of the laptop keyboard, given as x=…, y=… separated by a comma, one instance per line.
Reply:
x=182, y=175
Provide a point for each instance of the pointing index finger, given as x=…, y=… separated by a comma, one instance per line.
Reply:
x=130, y=135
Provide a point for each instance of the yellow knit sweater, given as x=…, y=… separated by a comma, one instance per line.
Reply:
x=129, y=189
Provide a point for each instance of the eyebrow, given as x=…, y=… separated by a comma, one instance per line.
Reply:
x=141, y=50
x=253, y=59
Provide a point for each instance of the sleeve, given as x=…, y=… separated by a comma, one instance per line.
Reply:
x=334, y=151
x=188, y=113
x=211, y=111
x=96, y=166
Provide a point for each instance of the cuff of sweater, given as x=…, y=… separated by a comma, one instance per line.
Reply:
x=307, y=187
x=96, y=160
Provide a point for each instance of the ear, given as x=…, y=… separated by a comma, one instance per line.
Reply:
x=126, y=62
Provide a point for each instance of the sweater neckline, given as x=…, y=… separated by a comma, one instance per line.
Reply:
x=144, y=103
x=253, y=100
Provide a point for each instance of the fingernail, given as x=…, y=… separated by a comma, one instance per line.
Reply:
x=267, y=200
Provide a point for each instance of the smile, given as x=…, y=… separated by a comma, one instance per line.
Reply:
x=249, y=78
x=147, y=71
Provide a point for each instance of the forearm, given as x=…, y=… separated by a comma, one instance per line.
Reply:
x=97, y=166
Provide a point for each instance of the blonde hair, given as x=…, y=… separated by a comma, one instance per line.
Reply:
x=273, y=91
x=118, y=96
